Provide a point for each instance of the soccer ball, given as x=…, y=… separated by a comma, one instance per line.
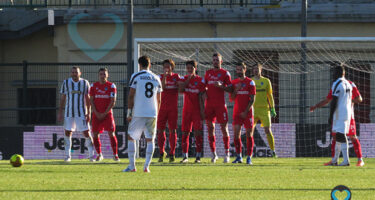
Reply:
x=16, y=160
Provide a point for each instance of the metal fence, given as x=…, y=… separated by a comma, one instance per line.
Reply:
x=137, y=3
x=30, y=92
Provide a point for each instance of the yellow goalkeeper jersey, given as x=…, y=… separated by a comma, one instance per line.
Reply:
x=263, y=98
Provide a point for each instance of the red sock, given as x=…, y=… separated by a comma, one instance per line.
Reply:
x=238, y=145
x=161, y=142
x=357, y=147
x=172, y=142
x=97, y=144
x=250, y=145
x=114, y=144
x=212, y=141
x=226, y=143
x=198, y=143
x=185, y=143
x=333, y=144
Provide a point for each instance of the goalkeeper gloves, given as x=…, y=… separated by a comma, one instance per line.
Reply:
x=273, y=112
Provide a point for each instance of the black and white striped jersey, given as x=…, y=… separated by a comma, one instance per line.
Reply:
x=75, y=104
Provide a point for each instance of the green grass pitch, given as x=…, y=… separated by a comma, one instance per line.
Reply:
x=268, y=178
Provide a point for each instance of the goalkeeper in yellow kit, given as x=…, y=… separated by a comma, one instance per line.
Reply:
x=264, y=106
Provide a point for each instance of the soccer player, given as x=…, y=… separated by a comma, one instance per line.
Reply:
x=356, y=98
x=193, y=88
x=217, y=81
x=243, y=95
x=168, y=110
x=103, y=98
x=340, y=114
x=264, y=106
x=143, y=106
x=75, y=98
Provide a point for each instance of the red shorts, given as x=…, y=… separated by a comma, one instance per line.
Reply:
x=248, y=122
x=219, y=113
x=107, y=124
x=191, y=119
x=167, y=115
x=352, y=129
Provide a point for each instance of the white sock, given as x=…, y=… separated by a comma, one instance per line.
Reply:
x=337, y=152
x=345, y=152
x=186, y=155
x=149, y=152
x=90, y=146
x=68, y=146
x=198, y=154
x=131, y=153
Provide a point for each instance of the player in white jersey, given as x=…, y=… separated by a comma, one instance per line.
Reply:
x=340, y=114
x=143, y=106
x=75, y=99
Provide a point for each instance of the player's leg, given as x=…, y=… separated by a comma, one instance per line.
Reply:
x=68, y=145
x=150, y=132
x=110, y=127
x=172, y=125
x=333, y=150
x=356, y=145
x=161, y=121
x=237, y=142
x=210, y=121
x=186, y=129
x=250, y=127
x=135, y=129
x=83, y=126
x=266, y=123
x=342, y=140
x=97, y=127
x=222, y=118
x=198, y=134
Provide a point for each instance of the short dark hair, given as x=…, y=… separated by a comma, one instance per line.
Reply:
x=171, y=62
x=339, y=70
x=76, y=67
x=218, y=55
x=192, y=62
x=242, y=64
x=144, y=61
x=103, y=69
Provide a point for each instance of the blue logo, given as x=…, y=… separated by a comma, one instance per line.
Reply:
x=105, y=88
x=261, y=83
x=195, y=83
x=96, y=53
x=174, y=80
x=341, y=188
x=243, y=84
x=219, y=75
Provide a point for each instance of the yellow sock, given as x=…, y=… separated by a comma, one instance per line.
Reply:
x=271, y=141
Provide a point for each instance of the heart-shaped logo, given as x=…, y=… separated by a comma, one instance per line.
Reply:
x=341, y=188
x=96, y=53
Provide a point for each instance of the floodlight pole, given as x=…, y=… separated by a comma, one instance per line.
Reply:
x=302, y=94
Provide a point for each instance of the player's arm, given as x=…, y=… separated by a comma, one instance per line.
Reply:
x=164, y=81
x=182, y=85
x=332, y=109
x=61, y=107
x=320, y=104
x=358, y=99
x=235, y=90
x=201, y=104
x=88, y=107
x=130, y=104
x=112, y=103
x=93, y=108
x=158, y=99
x=270, y=99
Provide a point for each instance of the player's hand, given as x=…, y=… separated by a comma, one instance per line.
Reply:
x=129, y=119
x=312, y=108
x=203, y=116
x=238, y=87
x=219, y=84
x=273, y=112
x=330, y=121
x=60, y=117
x=100, y=116
x=243, y=115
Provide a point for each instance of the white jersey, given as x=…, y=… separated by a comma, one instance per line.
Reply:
x=342, y=89
x=75, y=104
x=146, y=85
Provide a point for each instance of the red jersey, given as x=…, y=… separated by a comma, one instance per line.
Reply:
x=355, y=94
x=243, y=95
x=215, y=95
x=102, y=94
x=169, y=96
x=191, y=93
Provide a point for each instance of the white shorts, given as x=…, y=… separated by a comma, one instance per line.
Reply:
x=142, y=124
x=341, y=126
x=76, y=124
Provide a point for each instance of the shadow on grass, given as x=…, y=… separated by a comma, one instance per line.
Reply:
x=183, y=189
